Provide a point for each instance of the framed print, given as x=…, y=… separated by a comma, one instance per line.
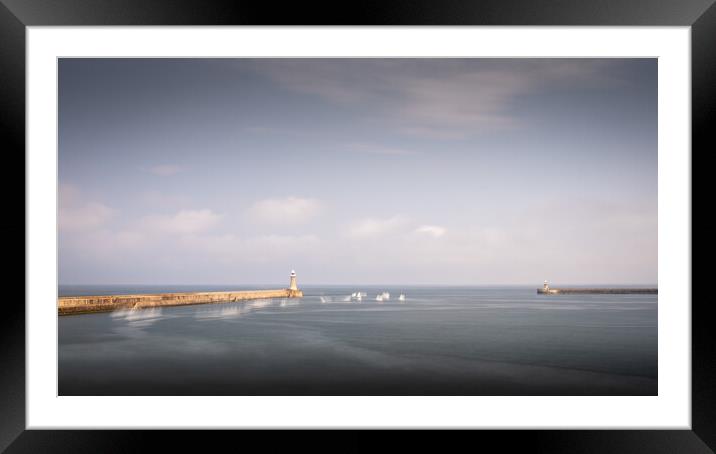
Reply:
x=483, y=222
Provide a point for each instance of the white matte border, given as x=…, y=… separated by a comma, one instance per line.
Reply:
x=670, y=409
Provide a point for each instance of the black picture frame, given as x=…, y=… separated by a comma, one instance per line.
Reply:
x=16, y=15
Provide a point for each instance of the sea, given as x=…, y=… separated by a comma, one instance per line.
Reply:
x=433, y=341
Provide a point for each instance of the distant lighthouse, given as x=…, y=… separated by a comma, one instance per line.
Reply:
x=545, y=287
x=292, y=284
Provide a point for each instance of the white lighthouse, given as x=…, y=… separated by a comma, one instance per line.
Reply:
x=292, y=283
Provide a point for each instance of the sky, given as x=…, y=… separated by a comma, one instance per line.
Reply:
x=357, y=171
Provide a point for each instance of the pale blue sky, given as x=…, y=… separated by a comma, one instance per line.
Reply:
x=358, y=171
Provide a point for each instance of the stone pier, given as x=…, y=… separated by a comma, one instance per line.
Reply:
x=67, y=305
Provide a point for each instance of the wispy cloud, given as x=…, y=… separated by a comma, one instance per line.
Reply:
x=183, y=222
x=378, y=149
x=287, y=210
x=76, y=214
x=164, y=170
x=431, y=230
x=436, y=99
x=84, y=217
x=375, y=227
x=261, y=248
x=154, y=198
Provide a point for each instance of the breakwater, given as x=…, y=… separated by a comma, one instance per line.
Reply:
x=67, y=305
x=613, y=291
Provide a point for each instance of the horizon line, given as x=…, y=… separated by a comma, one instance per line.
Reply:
x=539, y=284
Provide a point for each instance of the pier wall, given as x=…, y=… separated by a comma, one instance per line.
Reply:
x=67, y=305
x=610, y=291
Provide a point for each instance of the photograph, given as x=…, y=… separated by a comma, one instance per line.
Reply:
x=357, y=226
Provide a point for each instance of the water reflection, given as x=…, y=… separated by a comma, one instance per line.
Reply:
x=231, y=311
x=135, y=320
x=356, y=297
x=289, y=302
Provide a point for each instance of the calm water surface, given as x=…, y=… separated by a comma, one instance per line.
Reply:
x=439, y=341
